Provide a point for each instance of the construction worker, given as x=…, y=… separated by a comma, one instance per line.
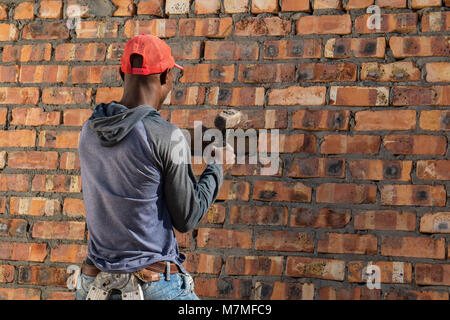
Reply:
x=133, y=189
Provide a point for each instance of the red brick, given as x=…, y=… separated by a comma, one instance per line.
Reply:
x=80, y=52
x=255, y=26
x=162, y=28
x=60, y=295
x=13, y=228
x=68, y=253
x=203, y=263
x=413, y=195
x=438, y=71
x=186, y=51
x=391, y=72
x=76, y=117
x=327, y=72
x=222, y=238
x=3, y=11
x=394, y=120
x=177, y=6
x=438, y=222
x=69, y=230
x=234, y=190
x=419, y=4
x=359, y=96
x=215, y=214
x=254, y=265
x=96, y=29
x=324, y=24
x=230, y=50
x=108, y=94
x=266, y=73
x=6, y=273
x=284, y=241
x=43, y=74
x=258, y=215
x=24, y=10
x=69, y=161
x=66, y=95
x=319, y=218
x=10, y=95
x=421, y=46
x=17, y=138
x=297, y=96
x=34, y=117
x=2, y=204
x=433, y=169
x=43, y=30
x=342, y=144
x=346, y=193
x=13, y=182
x=417, y=247
x=73, y=208
x=95, y=74
x=398, y=23
x=390, y=272
x=51, y=9
x=415, y=144
x=292, y=49
x=432, y=274
x=8, y=32
x=125, y=8
x=56, y=183
x=347, y=243
x=389, y=4
x=34, y=206
x=59, y=139
x=20, y=294
x=152, y=7
x=401, y=294
x=385, y=220
x=245, y=96
x=381, y=170
x=261, y=6
x=318, y=120
x=281, y=191
x=358, y=4
x=233, y=6
x=33, y=160
x=184, y=239
x=205, y=27
x=317, y=168
x=9, y=73
x=434, y=96
x=295, y=5
x=315, y=268
x=207, y=6
x=188, y=96
x=327, y=4
x=283, y=291
x=42, y=275
x=208, y=73
x=36, y=252
x=115, y=51
x=338, y=48
x=2, y=163
x=27, y=52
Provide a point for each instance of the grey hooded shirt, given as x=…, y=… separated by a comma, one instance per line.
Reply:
x=134, y=192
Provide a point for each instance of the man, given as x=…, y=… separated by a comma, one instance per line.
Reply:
x=134, y=190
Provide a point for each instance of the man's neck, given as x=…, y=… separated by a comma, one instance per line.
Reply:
x=138, y=95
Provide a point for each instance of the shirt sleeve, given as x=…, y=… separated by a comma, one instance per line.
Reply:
x=187, y=199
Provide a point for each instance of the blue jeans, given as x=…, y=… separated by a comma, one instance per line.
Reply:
x=180, y=286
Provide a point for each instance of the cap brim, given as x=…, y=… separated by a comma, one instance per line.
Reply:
x=178, y=66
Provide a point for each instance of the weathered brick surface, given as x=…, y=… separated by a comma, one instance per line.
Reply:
x=363, y=124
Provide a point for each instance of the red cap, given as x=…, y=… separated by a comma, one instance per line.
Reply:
x=156, y=54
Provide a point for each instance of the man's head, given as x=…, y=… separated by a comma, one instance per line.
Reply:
x=147, y=64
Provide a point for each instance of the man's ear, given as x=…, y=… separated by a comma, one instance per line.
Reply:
x=163, y=77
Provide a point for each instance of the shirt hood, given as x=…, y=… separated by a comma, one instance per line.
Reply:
x=113, y=121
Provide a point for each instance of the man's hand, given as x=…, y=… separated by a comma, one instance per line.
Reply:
x=225, y=156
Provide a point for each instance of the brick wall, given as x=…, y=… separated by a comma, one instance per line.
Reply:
x=364, y=125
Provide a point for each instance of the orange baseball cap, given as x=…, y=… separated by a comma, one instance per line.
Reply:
x=156, y=55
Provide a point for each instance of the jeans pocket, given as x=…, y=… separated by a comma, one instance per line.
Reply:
x=83, y=284
x=188, y=285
